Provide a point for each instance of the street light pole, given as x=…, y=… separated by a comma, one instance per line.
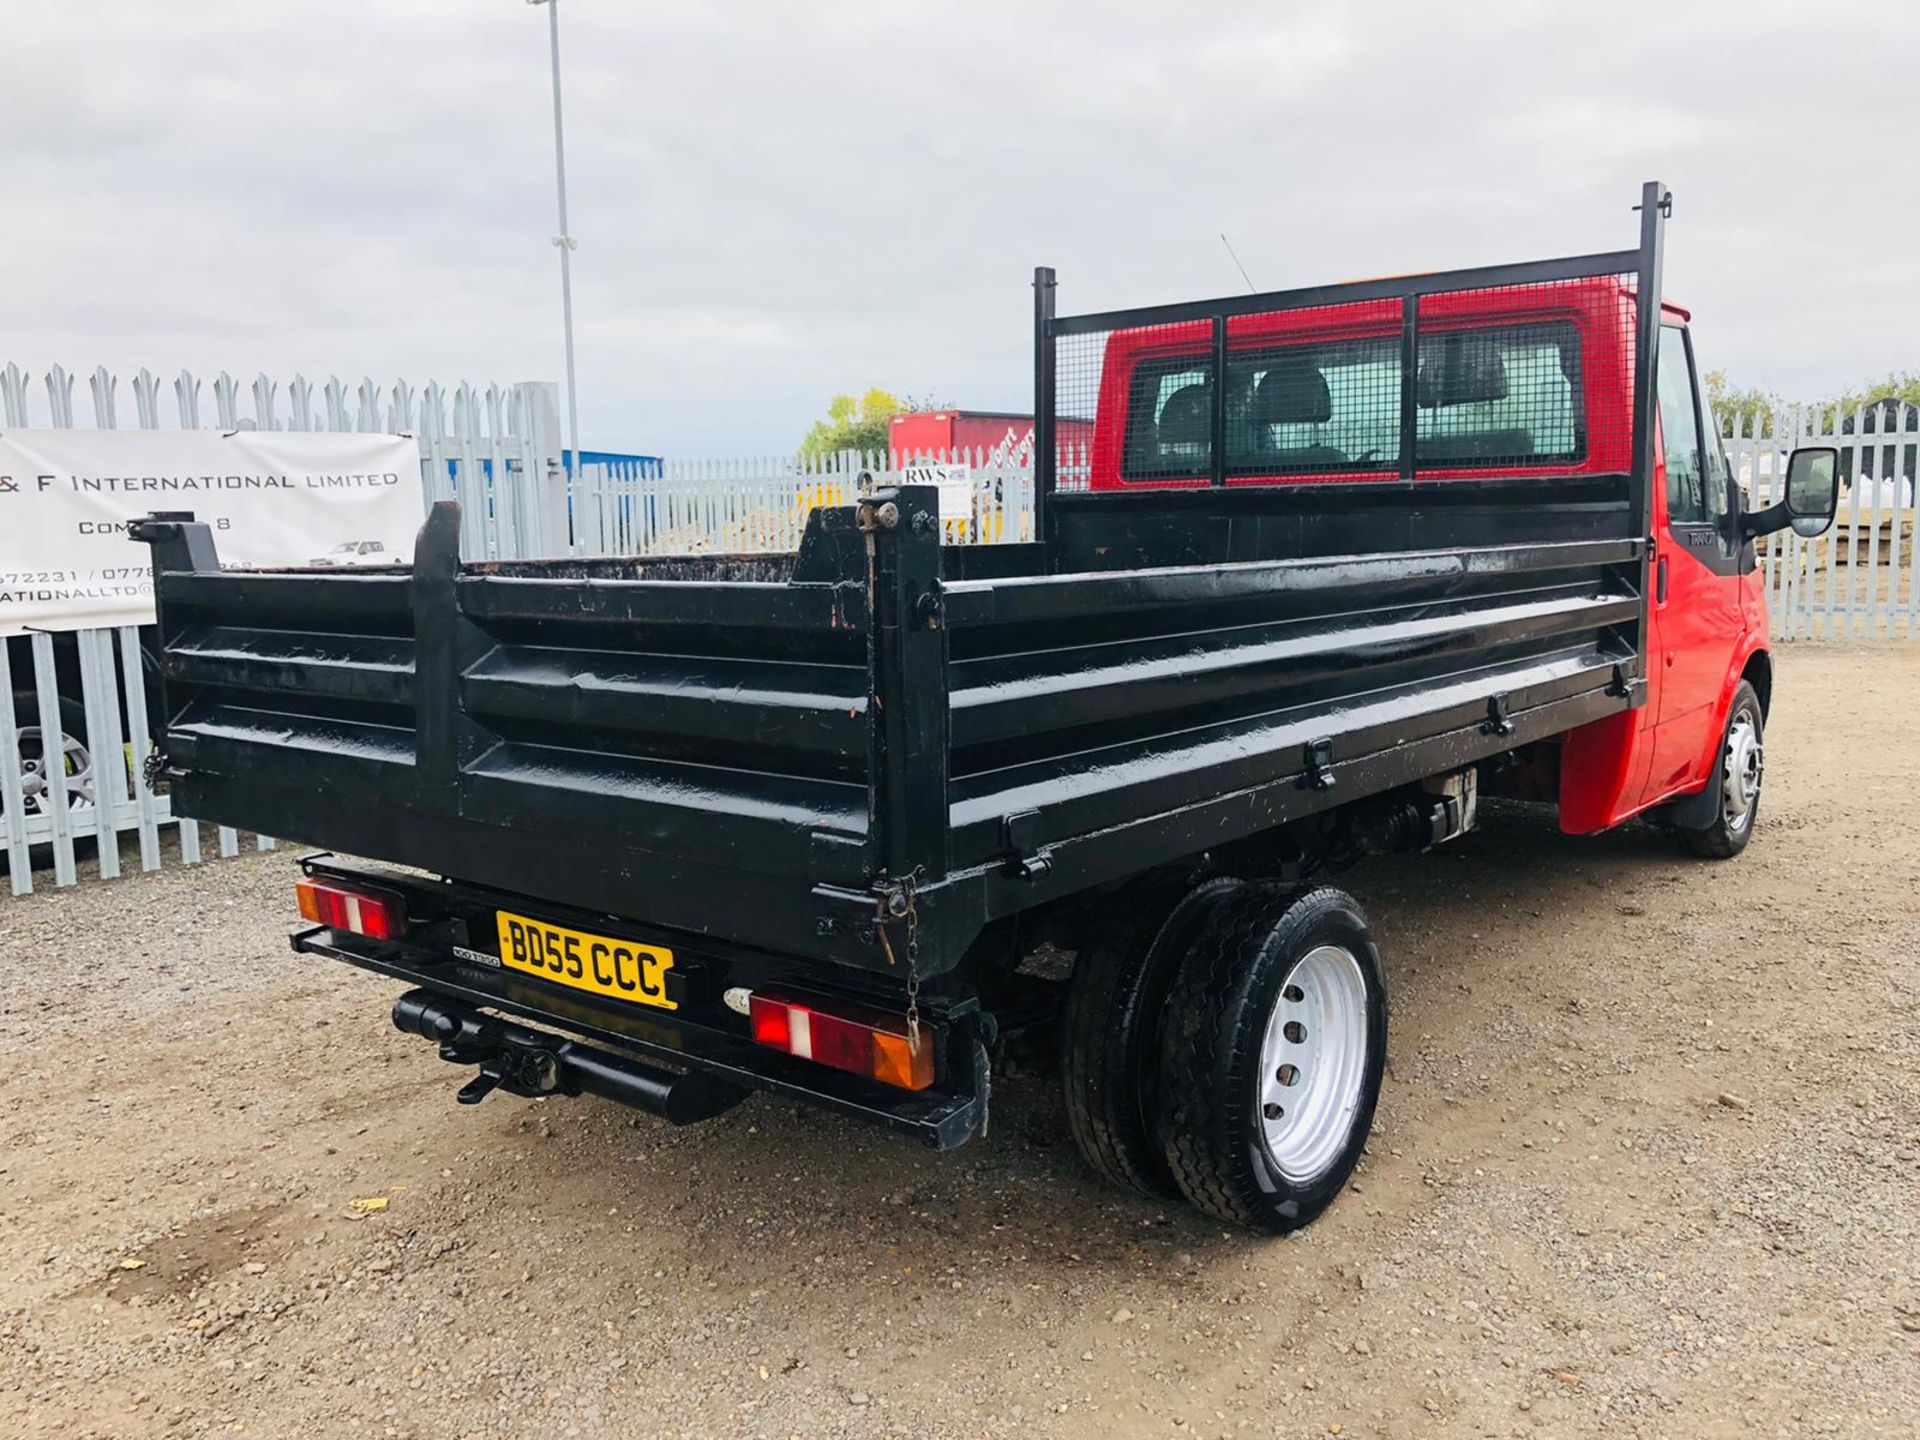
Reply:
x=564, y=240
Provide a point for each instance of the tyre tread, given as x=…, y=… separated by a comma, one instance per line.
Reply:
x=1097, y=1103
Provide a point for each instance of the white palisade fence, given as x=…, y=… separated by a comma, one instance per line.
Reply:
x=73, y=707
x=1859, y=580
x=681, y=507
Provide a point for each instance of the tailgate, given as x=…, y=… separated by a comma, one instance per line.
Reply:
x=693, y=749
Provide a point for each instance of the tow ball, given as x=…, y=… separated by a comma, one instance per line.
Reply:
x=531, y=1063
x=530, y=1073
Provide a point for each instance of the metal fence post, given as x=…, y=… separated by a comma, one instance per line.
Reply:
x=1045, y=460
x=908, y=682
x=1655, y=202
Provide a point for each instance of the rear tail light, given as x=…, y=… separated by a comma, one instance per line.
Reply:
x=376, y=914
x=877, y=1047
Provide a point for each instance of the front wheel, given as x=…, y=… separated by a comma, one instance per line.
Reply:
x=1737, y=777
x=1272, y=1052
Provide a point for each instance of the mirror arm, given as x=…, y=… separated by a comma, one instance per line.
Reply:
x=1764, y=522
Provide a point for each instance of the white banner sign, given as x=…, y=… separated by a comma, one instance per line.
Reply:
x=956, y=487
x=273, y=498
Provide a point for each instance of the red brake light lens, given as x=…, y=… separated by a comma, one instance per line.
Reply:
x=877, y=1047
x=376, y=914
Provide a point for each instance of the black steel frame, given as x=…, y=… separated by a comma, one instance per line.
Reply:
x=1644, y=262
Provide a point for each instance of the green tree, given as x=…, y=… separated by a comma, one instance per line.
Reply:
x=1904, y=386
x=1752, y=409
x=853, y=424
x=1755, y=408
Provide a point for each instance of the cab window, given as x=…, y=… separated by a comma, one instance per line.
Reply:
x=1333, y=405
x=1501, y=395
x=1680, y=430
x=1718, y=467
x=1487, y=397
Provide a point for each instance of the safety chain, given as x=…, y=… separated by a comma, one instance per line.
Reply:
x=913, y=967
x=900, y=900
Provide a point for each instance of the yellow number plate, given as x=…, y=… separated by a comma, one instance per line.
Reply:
x=598, y=964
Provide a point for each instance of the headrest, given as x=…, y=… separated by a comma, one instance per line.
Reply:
x=1468, y=368
x=1292, y=392
x=1187, y=417
x=1569, y=349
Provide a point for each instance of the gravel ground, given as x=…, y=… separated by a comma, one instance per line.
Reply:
x=1648, y=1164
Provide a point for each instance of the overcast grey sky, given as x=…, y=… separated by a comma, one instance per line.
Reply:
x=777, y=201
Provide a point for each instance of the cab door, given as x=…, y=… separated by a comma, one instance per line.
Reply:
x=1698, y=617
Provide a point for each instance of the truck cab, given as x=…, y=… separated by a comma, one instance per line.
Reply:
x=1709, y=609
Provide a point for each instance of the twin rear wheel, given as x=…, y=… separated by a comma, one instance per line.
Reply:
x=1225, y=1042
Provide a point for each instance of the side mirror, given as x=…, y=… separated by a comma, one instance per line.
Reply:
x=1813, y=488
x=1813, y=495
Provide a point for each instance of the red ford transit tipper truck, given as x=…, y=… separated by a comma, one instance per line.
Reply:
x=1337, y=564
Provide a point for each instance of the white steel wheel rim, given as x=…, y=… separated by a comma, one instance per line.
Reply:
x=1313, y=1062
x=1744, y=767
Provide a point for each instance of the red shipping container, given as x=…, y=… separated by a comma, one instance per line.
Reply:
x=934, y=432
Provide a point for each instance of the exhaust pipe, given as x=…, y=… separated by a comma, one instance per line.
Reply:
x=532, y=1063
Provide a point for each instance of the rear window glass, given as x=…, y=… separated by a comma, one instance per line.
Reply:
x=1170, y=419
x=1334, y=405
x=1505, y=396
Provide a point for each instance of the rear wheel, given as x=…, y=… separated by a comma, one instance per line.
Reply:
x=1111, y=1029
x=1737, y=776
x=1271, y=1055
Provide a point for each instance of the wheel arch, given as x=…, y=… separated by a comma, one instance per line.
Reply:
x=1697, y=808
x=1758, y=672
x=1752, y=662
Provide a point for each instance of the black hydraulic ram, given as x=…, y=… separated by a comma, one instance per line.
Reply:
x=533, y=1063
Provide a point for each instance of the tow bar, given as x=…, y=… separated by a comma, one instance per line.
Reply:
x=531, y=1063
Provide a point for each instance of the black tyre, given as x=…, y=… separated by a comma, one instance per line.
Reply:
x=1737, y=773
x=1110, y=1032
x=1271, y=1055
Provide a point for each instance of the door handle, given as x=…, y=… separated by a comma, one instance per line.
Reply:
x=1660, y=581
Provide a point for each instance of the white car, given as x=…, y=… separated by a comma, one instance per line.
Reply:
x=354, y=552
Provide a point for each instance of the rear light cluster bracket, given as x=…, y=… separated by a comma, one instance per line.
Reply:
x=348, y=905
x=869, y=1043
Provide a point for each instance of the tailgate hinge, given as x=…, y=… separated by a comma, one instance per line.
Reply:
x=930, y=608
x=1631, y=688
x=1317, y=765
x=1027, y=858
x=1497, y=721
